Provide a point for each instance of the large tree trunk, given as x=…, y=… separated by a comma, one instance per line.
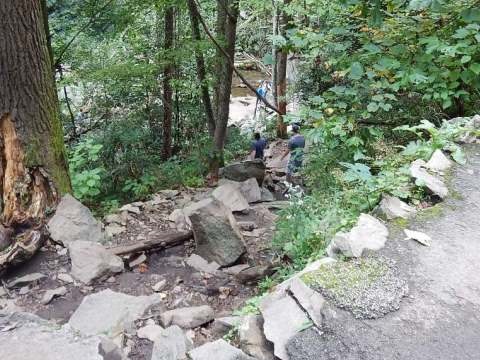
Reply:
x=201, y=71
x=33, y=168
x=167, y=86
x=282, y=76
x=227, y=15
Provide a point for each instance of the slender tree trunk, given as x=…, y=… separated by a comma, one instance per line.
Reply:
x=167, y=86
x=33, y=168
x=201, y=71
x=227, y=16
x=275, y=55
x=282, y=76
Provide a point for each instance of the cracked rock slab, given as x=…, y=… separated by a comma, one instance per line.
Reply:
x=218, y=350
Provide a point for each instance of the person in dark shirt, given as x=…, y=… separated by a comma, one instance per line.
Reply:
x=296, y=144
x=258, y=147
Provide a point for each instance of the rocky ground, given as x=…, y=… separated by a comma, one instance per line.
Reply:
x=162, y=279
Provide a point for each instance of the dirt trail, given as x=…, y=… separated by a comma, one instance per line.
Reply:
x=440, y=318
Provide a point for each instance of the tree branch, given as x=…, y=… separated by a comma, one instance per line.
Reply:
x=82, y=29
x=231, y=63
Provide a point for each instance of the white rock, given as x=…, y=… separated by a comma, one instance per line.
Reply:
x=200, y=264
x=159, y=286
x=283, y=319
x=368, y=234
x=74, y=222
x=231, y=197
x=25, y=280
x=110, y=313
x=424, y=178
x=115, y=219
x=53, y=293
x=439, y=162
x=91, y=261
x=392, y=208
x=182, y=223
x=137, y=261
x=150, y=332
x=218, y=350
x=422, y=238
x=188, y=317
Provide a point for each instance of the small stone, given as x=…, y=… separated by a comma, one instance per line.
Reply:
x=422, y=238
x=439, y=162
x=188, y=317
x=159, y=286
x=150, y=332
x=111, y=279
x=169, y=194
x=53, y=293
x=254, y=273
x=247, y=225
x=115, y=219
x=424, y=178
x=392, y=208
x=234, y=270
x=113, y=230
x=24, y=290
x=130, y=208
x=200, y=264
x=62, y=252
x=252, y=339
x=25, y=280
x=139, y=260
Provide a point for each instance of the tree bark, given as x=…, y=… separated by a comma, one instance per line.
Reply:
x=167, y=86
x=275, y=55
x=201, y=71
x=33, y=167
x=282, y=76
x=227, y=15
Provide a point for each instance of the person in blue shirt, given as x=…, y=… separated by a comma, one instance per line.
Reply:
x=258, y=147
x=296, y=145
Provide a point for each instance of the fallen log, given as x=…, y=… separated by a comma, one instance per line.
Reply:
x=162, y=241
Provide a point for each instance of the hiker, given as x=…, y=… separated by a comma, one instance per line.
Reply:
x=258, y=147
x=296, y=144
x=262, y=90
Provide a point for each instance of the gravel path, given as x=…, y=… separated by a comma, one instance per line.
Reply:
x=440, y=318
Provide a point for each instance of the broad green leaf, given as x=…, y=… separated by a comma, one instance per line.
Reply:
x=465, y=59
x=356, y=71
x=471, y=15
x=475, y=68
x=372, y=107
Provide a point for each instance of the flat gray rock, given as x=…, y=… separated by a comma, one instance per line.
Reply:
x=423, y=178
x=283, y=319
x=74, y=222
x=391, y=207
x=252, y=339
x=218, y=350
x=200, y=264
x=91, y=261
x=216, y=233
x=110, y=313
x=32, y=338
x=231, y=197
x=188, y=317
x=368, y=234
x=245, y=170
x=171, y=344
x=53, y=293
x=25, y=280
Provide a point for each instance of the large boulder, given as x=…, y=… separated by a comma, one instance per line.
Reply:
x=74, y=222
x=216, y=232
x=252, y=339
x=32, y=338
x=248, y=188
x=189, y=317
x=231, y=196
x=245, y=170
x=110, y=313
x=392, y=207
x=218, y=350
x=91, y=261
x=368, y=234
x=434, y=184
